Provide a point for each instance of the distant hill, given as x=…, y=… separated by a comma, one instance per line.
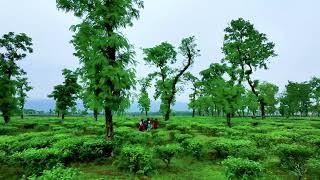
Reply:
x=47, y=104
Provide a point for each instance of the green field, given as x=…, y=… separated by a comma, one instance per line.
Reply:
x=34, y=146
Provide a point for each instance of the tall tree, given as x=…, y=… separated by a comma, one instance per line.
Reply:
x=226, y=93
x=144, y=100
x=297, y=98
x=315, y=88
x=268, y=92
x=67, y=93
x=105, y=54
x=246, y=50
x=163, y=57
x=13, y=48
x=23, y=86
x=195, y=90
x=252, y=102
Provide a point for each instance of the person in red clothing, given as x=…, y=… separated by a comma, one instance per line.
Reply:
x=152, y=123
x=156, y=123
x=141, y=125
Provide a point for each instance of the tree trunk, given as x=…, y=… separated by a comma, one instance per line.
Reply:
x=62, y=116
x=95, y=115
x=58, y=114
x=254, y=114
x=167, y=114
x=109, y=124
x=193, y=112
x=262, y=108
x=22, y=113
x=6, y=117
x=229, y=119
x=146, y=113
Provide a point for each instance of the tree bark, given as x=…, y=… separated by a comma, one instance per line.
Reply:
x=6, y=117
x=262, y=108
x=62, y=116
x=167, y=114
x=193, y=112
x=22, y=115
x=229, y=119
x=109, y=124
x=95, y=115
x=146, y=113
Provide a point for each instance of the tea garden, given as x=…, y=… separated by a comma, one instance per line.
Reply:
x=182, y=148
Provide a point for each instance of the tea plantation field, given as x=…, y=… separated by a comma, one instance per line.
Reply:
x=183, y=148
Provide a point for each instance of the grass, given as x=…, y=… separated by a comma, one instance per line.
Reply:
x=206, y=130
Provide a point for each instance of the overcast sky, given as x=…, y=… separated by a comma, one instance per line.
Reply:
x=294, y=26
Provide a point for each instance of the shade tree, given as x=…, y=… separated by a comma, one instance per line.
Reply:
x=105, y=55
x=219, y=84
x=164, y=58
x=144, y=100
x=268, y=93
x=13, y=48
x=247, y=50
x=195, y=82
x=66, y=93
x=23, y=86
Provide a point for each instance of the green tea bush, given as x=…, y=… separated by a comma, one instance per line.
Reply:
x=71, y=148
x=238, y=168
x=167, y=152
x=59, y=172
x=207, y=129
x=125, y=135
x=294, y=158
x=314, y=165
x=37, y=142
x=161, y=137
x=12, y=144
x=181, y=137
x=172, y=126
x=95, y=148
x=222, y=147
x=136, y=159
x=37, y=160
x=3, y=157
x=7, y=130
x=193, y=147
x=313, y=140
x=252, y=153
x=84, y=148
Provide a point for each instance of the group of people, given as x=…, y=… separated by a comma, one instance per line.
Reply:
x=148, y=124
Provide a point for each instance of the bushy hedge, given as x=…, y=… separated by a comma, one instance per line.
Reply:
x=7, y=130
x=238, y=168
x=294, y=157
x=135, y=158
x=84, y=148
x=21, y=142
x=194, y=147
x=59, y=172
x=181, y=137
x=161, y=137
x=125, y=135
x=34, y=161
x=167, y=152
x=222, y=147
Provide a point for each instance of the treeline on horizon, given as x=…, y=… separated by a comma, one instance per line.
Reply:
x=106, y=77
